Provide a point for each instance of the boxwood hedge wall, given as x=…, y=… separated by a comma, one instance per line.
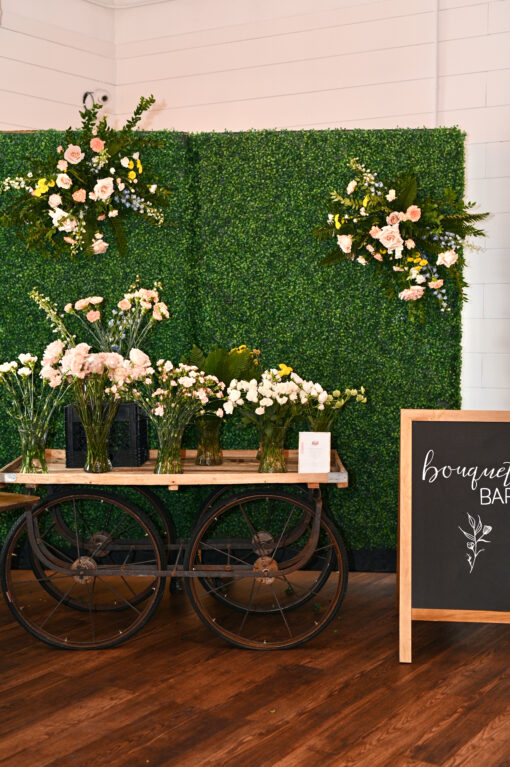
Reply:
x=239, y=265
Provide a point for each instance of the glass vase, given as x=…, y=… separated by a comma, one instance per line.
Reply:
x=97, y=418
x=169, y=453
x=33, y=444
x=209, y=452
x=272, y=459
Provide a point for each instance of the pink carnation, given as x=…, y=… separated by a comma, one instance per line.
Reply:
x=100, y=246
x=412, y=293
x=435, y=284
x=52, y=353
x=80, y=195
x=93, y=315
x=448, y=258
x=82, y=303
x=413, y=213
x=96, y=144
x=378, y=257
x=96, y=300
x=410, y=244
x=125, y=305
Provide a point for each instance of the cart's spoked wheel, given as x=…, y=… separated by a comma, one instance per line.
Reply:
x=61, y=516
x=84, y=608
x=274, y=609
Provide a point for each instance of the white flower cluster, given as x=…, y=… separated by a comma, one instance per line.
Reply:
x=274, y=392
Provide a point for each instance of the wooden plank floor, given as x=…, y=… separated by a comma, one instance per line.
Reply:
x=177, y=695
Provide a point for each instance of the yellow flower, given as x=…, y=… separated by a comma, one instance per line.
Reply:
x=337, y=222
x=131, y=174
x=366, y=200
x=37, y=192
x=51, y=183
x=423, y=262
x=410, y=258
x=131, y=164
x=285, y=370
x=418, y=268
x=139, y=166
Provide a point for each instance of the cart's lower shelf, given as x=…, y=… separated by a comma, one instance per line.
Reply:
x=239, y=467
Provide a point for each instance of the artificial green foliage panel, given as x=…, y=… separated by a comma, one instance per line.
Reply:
x=239, y=265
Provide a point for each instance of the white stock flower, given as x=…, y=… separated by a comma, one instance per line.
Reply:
x=260, y=411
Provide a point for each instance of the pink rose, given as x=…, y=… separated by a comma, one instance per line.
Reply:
x=80, y=195
x=412, y=293
x=378, y=257
x=448, y=258
x=393, y=218
x=370, y=248
x=375, y=232
x=93, y=315
x=62, y=165
x=100, y=246
x=390, y=238
x=410, y=244
x=361, y=260
x=96, y=144
x=73, y=154
x=104, y=188
x=413, y=213
x=64, y=181
x=101, y=218
x=125, y=305
x=435, y=284
x=60, y=149
x=345, y=242
x=397, y=269
x=54, y=200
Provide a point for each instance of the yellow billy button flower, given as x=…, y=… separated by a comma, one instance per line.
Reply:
x=139, y=166
x=366, y=200
x=285, y=370
x=131, y=164
x=410, y=258
x=423, y=262
x=131, y=174
x=51, y=183
x=337, y=221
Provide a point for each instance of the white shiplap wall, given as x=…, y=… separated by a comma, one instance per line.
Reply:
x=51, y=52
x=225, y=64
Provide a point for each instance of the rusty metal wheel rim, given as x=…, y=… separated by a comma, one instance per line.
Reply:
x=55, y=623
x=90, y=544
x=292, y=626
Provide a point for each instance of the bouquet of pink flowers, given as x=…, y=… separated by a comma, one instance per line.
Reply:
x=95, y=379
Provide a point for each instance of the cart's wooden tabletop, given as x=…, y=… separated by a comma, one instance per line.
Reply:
x=239, y=467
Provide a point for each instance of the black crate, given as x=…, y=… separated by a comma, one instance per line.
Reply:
x=128, y=443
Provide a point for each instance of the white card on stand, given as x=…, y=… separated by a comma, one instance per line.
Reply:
x=314, y=452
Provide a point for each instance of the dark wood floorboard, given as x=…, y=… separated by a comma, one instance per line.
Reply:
x=175, y=695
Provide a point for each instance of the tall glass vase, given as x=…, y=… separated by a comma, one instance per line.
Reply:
x=97, y=418
x=273, y=438
x=33, y=442
x=209, y=452
x=169, y=453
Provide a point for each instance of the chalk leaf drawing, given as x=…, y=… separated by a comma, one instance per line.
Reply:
x=475, y=537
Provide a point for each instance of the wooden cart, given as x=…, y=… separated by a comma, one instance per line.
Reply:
x=86, y=566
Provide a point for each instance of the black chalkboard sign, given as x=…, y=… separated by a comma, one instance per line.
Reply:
x=454, y=525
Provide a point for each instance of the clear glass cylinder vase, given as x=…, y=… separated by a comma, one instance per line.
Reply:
x=272, y=459
x=33, y=445
x=169, y=453
x=209, y=452
x=97, y=418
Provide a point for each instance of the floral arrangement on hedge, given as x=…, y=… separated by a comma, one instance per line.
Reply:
x=415, y=241
x=172, y=397
x=66, y=202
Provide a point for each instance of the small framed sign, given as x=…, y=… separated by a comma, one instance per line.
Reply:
x=314, y=452
x=454, y=518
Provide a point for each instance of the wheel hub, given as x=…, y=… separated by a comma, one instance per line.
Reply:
x=263, y=543
x=83, y=563
x=98, y=543
x=266, y=565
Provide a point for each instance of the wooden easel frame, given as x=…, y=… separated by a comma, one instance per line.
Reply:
x=408, y=613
